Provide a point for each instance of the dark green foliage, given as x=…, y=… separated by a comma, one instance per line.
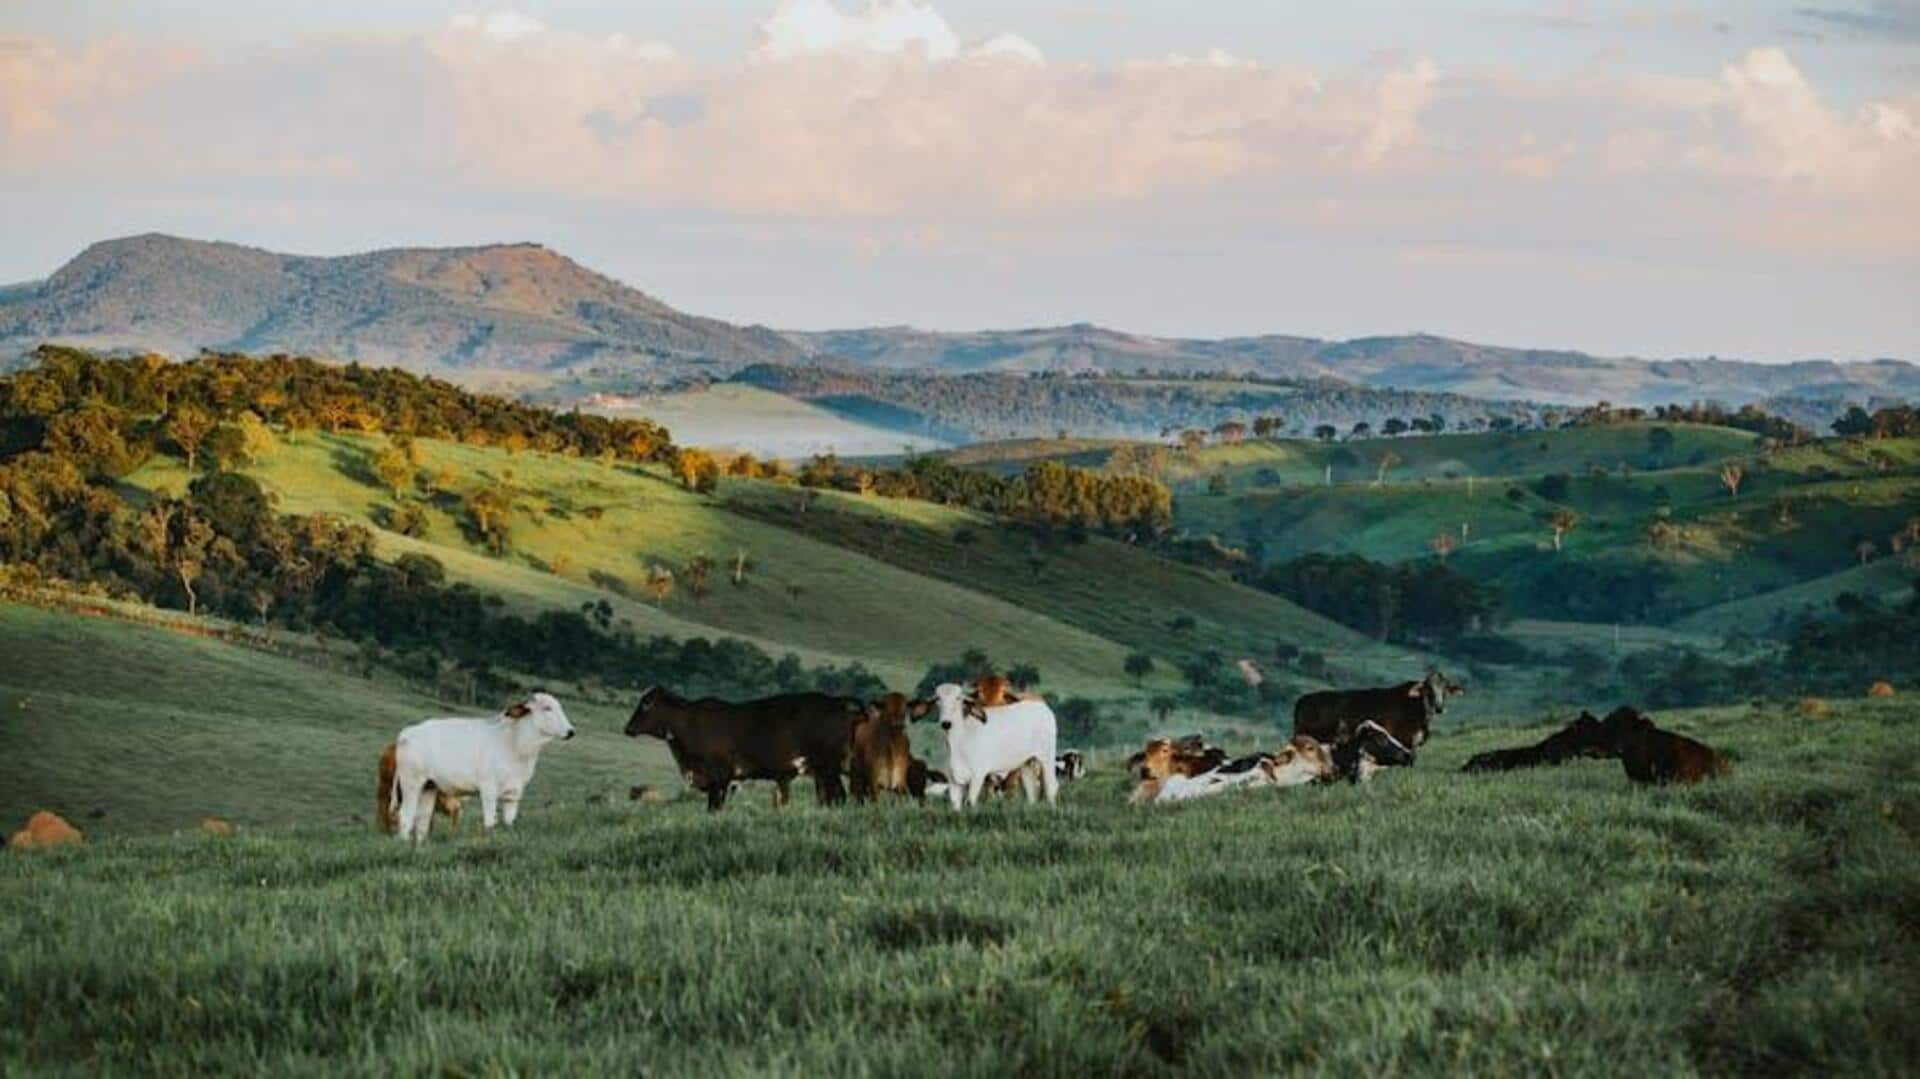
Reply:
x=1422, y=601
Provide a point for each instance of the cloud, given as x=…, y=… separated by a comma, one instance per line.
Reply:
x=1895, y=19
x=885, y=125
x=818, y=27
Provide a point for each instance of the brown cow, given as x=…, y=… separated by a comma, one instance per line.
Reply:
x=1651, y=755
x=1584, y=737
x=990, y=691
x=386, y=808
x=880, y=757
x=1405, y=711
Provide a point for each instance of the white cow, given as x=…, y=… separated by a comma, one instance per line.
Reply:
x=1002, y=740
x=493, y=758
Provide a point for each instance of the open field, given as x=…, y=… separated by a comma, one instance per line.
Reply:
x=1558, y=922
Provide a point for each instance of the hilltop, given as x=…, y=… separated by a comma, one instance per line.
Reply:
x=515, y=306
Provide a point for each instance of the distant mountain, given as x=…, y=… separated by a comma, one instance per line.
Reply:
x=1412, y=362
x=523, y=308
x=512, y=306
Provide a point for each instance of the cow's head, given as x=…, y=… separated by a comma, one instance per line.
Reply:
x=897, y=711
x=646, y=718
x=542, y=714
x=1305, y=755
x=1070, y=765
x=956, y=706
x=1382, y=748
x=1623, y=724
x=1156, y=760
x=1587, y=736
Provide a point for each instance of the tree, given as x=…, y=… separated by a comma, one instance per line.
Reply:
x=489, y=508
x=660, y=583
x=1326, y=432
x=1023, y=676
x=1268, y=426
x=964, y=538
x=1217, y=483
x=1231, y=432
x=741, y=563
x=696, y=572
x=1730, y=476
x=393, y=469
x=1181, y=623
x=1659, y=443
x=1138, y=665
x=1865, y=550
x=1388, y=459
x=1394, y=426
x=1560, y=522
x=697, y=470
x=1854, y=423
x=1162, y=707
x=1362, y=429
x=188, y=427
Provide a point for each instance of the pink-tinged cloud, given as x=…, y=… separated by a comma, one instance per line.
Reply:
x=889, y=122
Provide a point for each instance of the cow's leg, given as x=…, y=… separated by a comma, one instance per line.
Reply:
x=509, y=806
x=489, y=808
x=782, y=792
x=453, y=806
x=1029, y=783
x=1050, y=781
x=410, y=792
x=956, y=792
x=974, y=786
x=717, y=795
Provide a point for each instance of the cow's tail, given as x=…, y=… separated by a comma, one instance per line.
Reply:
x=392, y=818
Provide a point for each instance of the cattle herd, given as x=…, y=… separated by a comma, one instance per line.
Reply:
x=996, y=742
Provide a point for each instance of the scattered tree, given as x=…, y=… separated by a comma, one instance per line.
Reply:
x=1138, y=666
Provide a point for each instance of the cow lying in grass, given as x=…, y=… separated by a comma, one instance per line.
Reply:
x=1303, y=760
x=386, y=808
x=1367, y=750
x=1163, y=757
x=1584, y=737
x=1651, y=755
x=493, y=758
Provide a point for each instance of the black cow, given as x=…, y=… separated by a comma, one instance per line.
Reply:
x=1405, y=710
x=1584, y=737
x=717, y=742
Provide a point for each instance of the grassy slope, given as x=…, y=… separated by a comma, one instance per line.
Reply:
x=1102, y=585
x=849, y=607
x=1485, y=454
x=1560, y=922
x=1729, y=549
x=155, y=729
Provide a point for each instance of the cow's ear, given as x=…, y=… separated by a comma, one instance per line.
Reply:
x=919, y=709
x=519, y=711
x=973, y=709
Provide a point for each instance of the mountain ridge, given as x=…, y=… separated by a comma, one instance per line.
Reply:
x=524, y=307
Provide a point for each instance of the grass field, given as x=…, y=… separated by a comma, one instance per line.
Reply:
x=1560, y=922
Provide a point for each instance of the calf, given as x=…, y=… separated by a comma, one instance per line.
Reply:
x=716, y=742
x=1651, y=755
x=982, y=741
x=1584, y=737
x=386, y=811
x=1370, y=748
x=880, y=759
x=493, y=758
x=1405, y=711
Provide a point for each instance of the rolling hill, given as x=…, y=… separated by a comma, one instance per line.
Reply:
x=512, y=306
x=1414, y=362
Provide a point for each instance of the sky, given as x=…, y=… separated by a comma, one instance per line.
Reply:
x=1738, y=179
